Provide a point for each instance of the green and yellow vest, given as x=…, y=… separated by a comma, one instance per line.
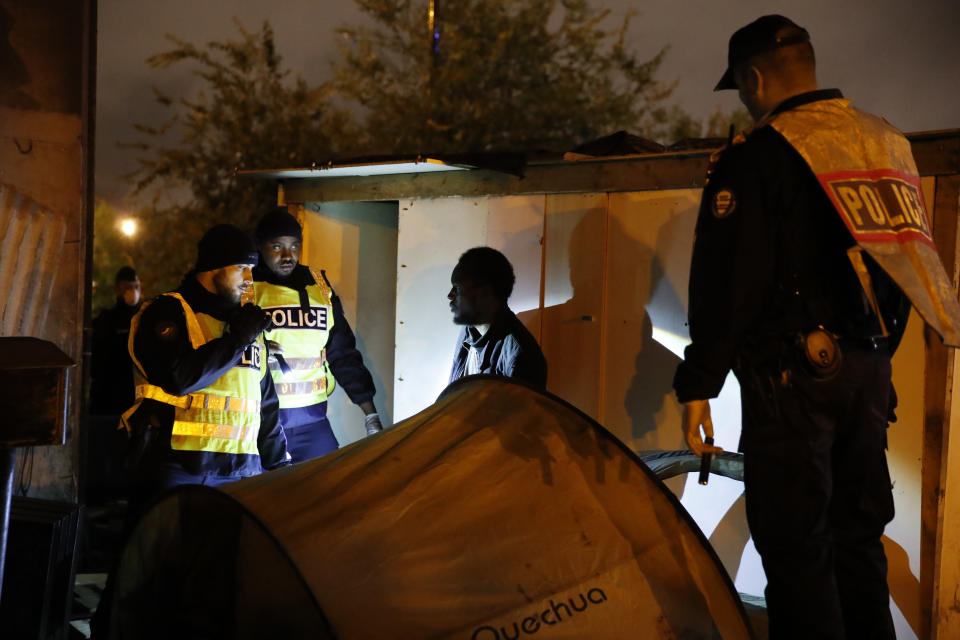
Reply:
x=221, y=418
x=302, y=334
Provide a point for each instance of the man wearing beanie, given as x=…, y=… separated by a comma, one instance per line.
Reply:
x=315, y=346
x=206, y=410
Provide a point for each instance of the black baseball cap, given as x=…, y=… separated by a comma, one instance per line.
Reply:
x=759, y=37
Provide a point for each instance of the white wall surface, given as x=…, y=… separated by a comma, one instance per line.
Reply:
x=356, y=244
x=613, y=327
x=433, y=235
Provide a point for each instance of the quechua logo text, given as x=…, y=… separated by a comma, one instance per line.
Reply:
x=555, y=613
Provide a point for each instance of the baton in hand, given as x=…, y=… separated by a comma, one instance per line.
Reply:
x=705, y=463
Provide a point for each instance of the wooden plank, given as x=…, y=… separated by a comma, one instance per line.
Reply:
x=639, y=173
x=937, y=153
x=937, y=397
x=573, y=298
x=940, y=549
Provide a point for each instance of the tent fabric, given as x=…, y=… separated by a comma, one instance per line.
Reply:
x=498, y=512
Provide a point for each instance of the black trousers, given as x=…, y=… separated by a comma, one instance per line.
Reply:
x=818, y=493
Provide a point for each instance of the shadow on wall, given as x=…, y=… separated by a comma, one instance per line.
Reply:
x=904, y=586
x=649, y=269
x=650, y=401
x=651, y=387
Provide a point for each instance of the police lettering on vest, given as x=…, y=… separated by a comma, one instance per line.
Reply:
x=866, y=168
x=297, y=318
x=252, y=357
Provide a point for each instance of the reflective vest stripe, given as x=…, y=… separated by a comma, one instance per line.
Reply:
x=214, y=445
x=198, y=400
x=301, y=364
x=301, y=388
x=207, y=430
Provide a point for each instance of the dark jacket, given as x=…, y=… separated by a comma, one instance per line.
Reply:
x=162, y=346
x=506, y=349
x=773, y=264
x=111, y=371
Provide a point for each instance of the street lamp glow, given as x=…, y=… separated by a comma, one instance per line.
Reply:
x=128, y=227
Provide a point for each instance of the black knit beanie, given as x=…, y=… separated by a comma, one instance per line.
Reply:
x=278, y=222
x=225, y=245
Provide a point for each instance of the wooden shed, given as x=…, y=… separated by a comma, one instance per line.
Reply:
x=601, y=249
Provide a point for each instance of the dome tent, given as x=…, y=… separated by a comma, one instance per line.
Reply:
x=497, y=513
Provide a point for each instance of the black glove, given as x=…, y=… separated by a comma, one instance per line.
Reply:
x=248, y=323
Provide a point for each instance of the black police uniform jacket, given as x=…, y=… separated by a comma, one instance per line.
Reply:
x=769, y=262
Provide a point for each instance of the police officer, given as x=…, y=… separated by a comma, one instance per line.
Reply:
x=206, y=409
x=313, y=347
x=787, y=289
x=111, y=374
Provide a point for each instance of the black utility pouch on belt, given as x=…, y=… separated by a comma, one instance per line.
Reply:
x=820, y=353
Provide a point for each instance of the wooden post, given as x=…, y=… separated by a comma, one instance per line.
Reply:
x=940, y=509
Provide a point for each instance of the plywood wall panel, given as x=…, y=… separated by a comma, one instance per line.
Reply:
x=650, y=240
x=573, y=298
x=433, y=235
x=356, y=244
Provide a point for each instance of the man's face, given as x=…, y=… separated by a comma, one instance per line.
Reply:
x=281, y=254
x=465, y=299
x=231, y=282
x=129, y=292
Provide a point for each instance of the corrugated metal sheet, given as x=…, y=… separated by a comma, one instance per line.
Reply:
x=32, y=239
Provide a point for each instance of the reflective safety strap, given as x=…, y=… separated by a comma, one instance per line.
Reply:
x=214, y=445
x=303, y=364
x=198, y=400
x=301, y=388
x=207, y=430
x=855, y=255
x=194, y=330
x=320, y=277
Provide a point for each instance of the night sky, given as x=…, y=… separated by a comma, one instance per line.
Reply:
x=897, y=59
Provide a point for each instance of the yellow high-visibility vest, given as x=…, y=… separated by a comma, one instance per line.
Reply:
x=303, y=336
x=866, y=168
x=221, y=418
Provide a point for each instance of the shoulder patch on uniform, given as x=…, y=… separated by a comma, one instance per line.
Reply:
x=168, y=331
x=723, y=203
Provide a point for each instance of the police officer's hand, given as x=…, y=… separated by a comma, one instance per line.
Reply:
x=249, y=323
x=696, y=413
